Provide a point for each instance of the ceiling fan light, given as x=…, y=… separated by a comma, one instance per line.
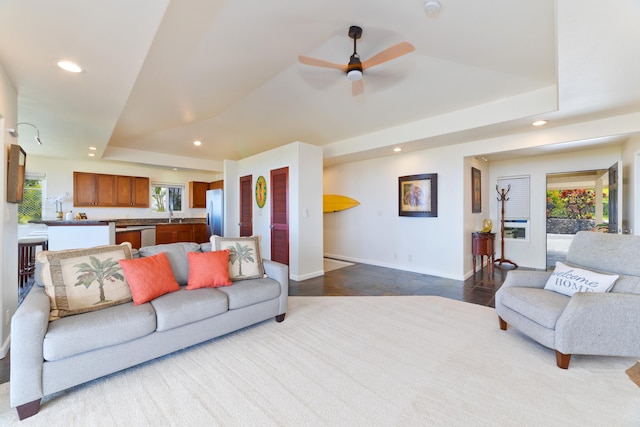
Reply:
x=354, y=75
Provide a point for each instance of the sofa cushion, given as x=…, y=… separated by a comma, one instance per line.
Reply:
x=208, y=269
x=249, y=292
x=569, y=280
x=177, y=254
x=83, y=280
x=184, y=307
x=97, y=329
x=245, y=259
x=149, y=277
x=542, y=306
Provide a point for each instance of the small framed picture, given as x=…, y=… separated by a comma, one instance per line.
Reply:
x=418, y=195
x=476, y=191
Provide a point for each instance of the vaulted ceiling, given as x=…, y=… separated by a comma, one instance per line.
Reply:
x=159, y=74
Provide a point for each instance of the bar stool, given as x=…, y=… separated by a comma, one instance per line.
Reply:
x=27, y=257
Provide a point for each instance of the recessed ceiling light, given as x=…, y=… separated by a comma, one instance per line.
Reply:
x=431, y=7
x=69, y=66
x=175, y=169
x=92, y=155
x=92, y=148
x=397, y=149
x=539, y=123
x=197, y=143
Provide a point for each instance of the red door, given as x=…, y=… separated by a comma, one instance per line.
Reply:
x=246, y=201
x=280, y=215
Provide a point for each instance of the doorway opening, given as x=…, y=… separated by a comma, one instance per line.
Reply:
x=576, y=201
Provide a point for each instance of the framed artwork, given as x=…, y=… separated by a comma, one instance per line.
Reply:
x=418, y=195
x=261, y=191
x=15, y=174
x=476, y=191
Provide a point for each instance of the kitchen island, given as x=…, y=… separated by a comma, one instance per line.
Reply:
x=79, y=233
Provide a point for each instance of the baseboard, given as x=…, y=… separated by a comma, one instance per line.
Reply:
x=394, y=266
x=306, y=276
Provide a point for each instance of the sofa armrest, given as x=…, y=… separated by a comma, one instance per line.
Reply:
x=526, y=279
x=280, y=273
x=28, y=328
x=600, y=323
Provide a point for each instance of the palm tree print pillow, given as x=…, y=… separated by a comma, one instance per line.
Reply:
x=83, y=280
x=245, y=260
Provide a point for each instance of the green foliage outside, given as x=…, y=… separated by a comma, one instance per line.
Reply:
x=576, y=204
x=31, y=207
x=166, y=198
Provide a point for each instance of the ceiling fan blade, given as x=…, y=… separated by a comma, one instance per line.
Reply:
x=321, y=63
x=357, y=87
x=388, y=54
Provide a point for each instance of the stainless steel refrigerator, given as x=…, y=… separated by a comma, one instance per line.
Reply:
x=215, y=212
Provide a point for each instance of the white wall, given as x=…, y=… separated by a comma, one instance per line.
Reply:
x=631, y=182
x=305, y=203
x=374, y=233
x=473, y=221
x=8, y=215
x=59, y=180
x=533, y=253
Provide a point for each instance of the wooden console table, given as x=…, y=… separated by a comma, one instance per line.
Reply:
x=483, y=244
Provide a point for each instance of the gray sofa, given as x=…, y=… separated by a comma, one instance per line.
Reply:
x=589, y=323
x=47, y=357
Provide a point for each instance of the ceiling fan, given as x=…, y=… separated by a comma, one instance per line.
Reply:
x=355, y=67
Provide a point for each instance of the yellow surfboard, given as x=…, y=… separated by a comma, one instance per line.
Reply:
x=335, y=203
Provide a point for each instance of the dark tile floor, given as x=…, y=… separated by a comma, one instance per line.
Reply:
x=363, y=279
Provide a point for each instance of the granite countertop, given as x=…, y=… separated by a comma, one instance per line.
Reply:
x=140, y=222
x=61, y=222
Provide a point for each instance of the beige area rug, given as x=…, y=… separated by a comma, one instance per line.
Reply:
x=334, y=264
x=357, y=361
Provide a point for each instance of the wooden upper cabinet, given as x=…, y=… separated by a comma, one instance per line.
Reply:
x=132, y=191
x=198, y=194
x=102, y=190
x=217, y=185
x=92, y=189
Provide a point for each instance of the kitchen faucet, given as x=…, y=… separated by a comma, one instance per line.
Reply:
x=170, y=215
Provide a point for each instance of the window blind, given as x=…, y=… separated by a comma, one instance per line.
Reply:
x=517, y=205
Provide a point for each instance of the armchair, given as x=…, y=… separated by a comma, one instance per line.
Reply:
x=591, y=323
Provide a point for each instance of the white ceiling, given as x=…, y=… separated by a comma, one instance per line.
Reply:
x=160, y=74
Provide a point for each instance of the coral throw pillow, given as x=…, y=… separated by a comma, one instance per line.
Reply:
x=149, y=277
x=208, y=269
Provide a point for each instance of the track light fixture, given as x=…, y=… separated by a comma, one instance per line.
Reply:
x=14, y=131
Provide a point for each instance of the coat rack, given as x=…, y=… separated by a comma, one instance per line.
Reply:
x=502, y=197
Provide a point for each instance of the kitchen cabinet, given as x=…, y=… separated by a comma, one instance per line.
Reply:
x=92, y=189
x=200, y=233
x=132, y=191
x=132, y=236
x=103, y=190
x=172, y=233
x=217, y=185
x=198, y=194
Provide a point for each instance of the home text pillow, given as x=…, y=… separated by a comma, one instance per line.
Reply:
x=245, y=260
x=569, y=280
x=208, y=269
x=149, y=277
x=83, y=280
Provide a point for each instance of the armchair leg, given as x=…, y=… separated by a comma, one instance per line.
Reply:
x=503, y=324
x=28, y=409
x=562, y=360
x=280, y=317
